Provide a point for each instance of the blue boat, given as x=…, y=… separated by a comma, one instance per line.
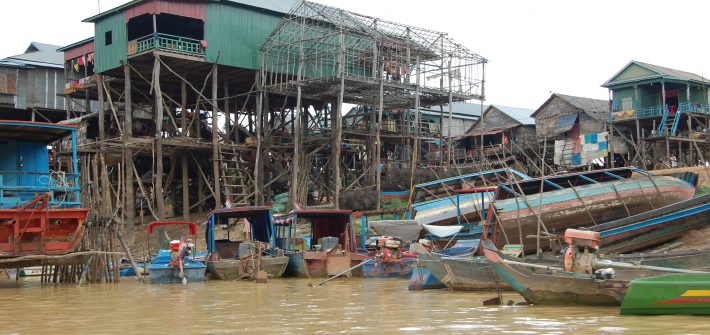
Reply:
x=429, y=270
x=653, y=227
x=175, y=265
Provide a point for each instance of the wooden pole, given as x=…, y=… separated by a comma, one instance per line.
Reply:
x=183, y=157
x=130, y=194
x=339, y=122
x=158, y=178
x=296, y=129
x=215, y=143
x=449, y=140
x=258, y=173
x=415, y=149
x=102, y=110
x=378, y=144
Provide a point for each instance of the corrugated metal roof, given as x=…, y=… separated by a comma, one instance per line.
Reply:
x=279, y=6
x=521, y=115
x=39, y=54
x=662, y=72
x=460, y=109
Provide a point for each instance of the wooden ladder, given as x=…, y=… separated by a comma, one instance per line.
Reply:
x=235, y=180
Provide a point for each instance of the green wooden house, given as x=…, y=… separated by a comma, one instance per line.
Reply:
x=664, y=111
x=228, y=32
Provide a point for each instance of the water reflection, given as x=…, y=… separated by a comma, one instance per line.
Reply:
x=290, y=306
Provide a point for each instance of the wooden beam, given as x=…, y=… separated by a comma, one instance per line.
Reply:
x=215, y=143
x=158, y=176
x=130, y=194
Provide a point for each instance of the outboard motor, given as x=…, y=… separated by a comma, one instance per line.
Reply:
x=389, y=248
x=581, y=251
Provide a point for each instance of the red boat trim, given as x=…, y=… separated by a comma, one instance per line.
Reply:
x=683, y=301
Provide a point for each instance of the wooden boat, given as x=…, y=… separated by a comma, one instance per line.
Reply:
x=389, y=257
x=231, y=259
x=554, y=203
x=433, y=202
x=687, y=294
x=653, y=227
x=175, y=265
x=40, y=209
x=543, y=284
x=328, y=250
x=430, y=270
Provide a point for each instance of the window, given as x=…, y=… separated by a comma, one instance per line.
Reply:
x=108, y=38
x=627, y=104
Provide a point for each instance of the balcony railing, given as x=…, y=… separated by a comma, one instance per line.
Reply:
x=657, y=111
x=169, y=43
x=17, y=188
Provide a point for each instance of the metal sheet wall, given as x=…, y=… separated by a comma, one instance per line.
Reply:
x=236, y=34
x=110, y=56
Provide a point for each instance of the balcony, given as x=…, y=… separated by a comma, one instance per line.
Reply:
x=167, y=43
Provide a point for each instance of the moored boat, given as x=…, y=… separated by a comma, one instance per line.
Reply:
x=175, y=265
x=233, y=257
x=653, y=227
x=327, y=250
x=551, y=204
x=684, y=293
x=40, y=208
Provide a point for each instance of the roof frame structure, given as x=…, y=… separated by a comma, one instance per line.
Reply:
x=315, y=44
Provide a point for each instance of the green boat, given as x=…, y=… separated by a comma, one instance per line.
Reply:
x=681, y=293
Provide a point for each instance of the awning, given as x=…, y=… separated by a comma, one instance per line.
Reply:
x=566, y=122
x=407, y=230
x=442, y=231
x=487, y=132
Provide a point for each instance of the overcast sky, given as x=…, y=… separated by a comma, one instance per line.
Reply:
x=533, y=47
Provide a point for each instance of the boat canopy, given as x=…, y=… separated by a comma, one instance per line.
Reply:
x=193, y=227
x=324, y=223
x=33, y=131
x=407, y=230
x=259, y=218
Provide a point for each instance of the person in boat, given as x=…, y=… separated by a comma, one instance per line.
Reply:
x=179, y=249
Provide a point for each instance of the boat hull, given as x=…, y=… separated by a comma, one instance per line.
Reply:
x=231, y=269
x=687, y=294
x=381, y=269
x=654, y=227
x=552, y=287
x=319, y=264
x=603, y=202
x=470, y=274
x=165, y=274
x=41, y=232
x=423, y=279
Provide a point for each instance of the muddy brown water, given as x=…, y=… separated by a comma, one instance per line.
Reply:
x=290, y=306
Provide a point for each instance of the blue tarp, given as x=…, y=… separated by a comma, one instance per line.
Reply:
x=566, y=122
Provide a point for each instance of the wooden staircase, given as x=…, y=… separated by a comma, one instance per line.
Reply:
x=236, y=183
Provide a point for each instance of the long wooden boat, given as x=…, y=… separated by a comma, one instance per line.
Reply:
x=328, y=250
x=40, y=209
x=235, y=258
x=687, y=294
x=434, y=203
x=554, y=203
x=653, y=227
x=175, y=265
x=553, y=286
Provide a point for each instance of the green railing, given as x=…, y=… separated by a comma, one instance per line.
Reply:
x=165, y=42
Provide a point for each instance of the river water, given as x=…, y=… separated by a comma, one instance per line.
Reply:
x=290, y=306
